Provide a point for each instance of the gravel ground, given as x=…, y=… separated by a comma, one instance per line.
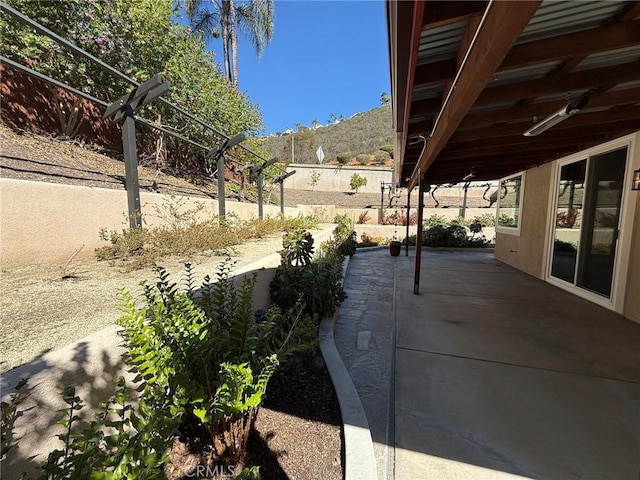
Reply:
x=42, y=311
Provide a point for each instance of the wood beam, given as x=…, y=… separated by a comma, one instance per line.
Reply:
x=429, y=106
x=578, y=120
x=626, y=72
x=420, y=127
x=537, y=144
x=587, y=42
x=629, y=96
x=503, y=24
x=414, y=45
x=516, y=140
x=436, y=72
x=438, y=14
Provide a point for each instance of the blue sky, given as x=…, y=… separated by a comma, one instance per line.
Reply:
x=326, y=57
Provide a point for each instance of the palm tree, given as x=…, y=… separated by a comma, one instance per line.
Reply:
x=223, y=18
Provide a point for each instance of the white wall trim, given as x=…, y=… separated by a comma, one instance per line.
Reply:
x=627, y=212
x=511, y=230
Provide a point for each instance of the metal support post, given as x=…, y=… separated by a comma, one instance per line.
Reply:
x=260, y=212
x=131, y=169
x=381, y=212
x=406, y=240
x=416, y=281
x=282, y=197
x=222, y=212
x=464, y=200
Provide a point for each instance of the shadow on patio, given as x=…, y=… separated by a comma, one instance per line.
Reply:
x=497, y=374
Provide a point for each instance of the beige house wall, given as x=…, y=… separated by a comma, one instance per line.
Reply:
x=46, y=223
x=526, y=251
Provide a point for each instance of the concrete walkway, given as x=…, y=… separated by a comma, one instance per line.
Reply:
x=497, y=374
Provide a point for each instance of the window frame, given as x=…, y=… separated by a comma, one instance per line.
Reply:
x=517, y=229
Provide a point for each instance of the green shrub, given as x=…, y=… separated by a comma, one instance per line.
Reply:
x=435, y=220
x=363, y=158
x=486, y=219
x=202, y=359
x=381, y=157
x=315, y=282
x=344, y=158
x=387, y=148
x=460, y=220
x=451, y=236
x=344, y=237
x=505, y=220
x=356, y=182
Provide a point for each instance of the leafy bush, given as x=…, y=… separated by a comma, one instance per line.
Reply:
x=122, y=441
x=435, y=220
x=202, y=365
x=363, y=158
x=344, y=158
x=314, y=282
x=451, y=236
x=387, y=148
x=9, y=413
x=356, y=182
x=202, y=359
x=344, y=237
x=505, y=220
x=486, y=219
x=460, y=220
x=314, y=179
x=381, y=157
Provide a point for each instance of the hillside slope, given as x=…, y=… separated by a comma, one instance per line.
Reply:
x=363, y=133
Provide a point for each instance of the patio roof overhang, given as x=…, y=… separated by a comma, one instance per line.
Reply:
x=472, y=76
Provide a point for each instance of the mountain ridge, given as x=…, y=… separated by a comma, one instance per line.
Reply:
x=363, y=133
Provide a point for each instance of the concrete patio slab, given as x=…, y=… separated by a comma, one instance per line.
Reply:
x=495, y=374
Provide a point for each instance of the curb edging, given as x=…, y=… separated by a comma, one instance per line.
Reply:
x=359, y=457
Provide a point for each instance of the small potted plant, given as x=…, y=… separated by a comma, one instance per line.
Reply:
x=394, y=247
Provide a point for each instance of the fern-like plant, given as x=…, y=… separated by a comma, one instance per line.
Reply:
x=201, y=356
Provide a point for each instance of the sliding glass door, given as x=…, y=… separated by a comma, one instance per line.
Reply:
x=588, y=201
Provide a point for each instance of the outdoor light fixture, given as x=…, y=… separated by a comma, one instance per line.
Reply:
x=573, y=107
x=635, y=184
x=469, y=176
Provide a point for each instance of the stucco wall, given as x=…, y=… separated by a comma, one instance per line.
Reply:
x=334, y=179
x=47, y=223
x=526, y=251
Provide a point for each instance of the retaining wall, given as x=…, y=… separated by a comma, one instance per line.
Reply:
x=46, y=223
x=336, y=179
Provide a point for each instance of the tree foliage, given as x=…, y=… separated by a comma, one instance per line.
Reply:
x=357, y=182
x=254, y=18
x=139, y=39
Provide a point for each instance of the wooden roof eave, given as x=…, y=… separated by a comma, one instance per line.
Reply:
x=503, y=22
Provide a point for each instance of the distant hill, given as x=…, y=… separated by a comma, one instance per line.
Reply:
x=363, y=133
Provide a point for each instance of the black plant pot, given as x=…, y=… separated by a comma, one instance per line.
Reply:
x=394, y=248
